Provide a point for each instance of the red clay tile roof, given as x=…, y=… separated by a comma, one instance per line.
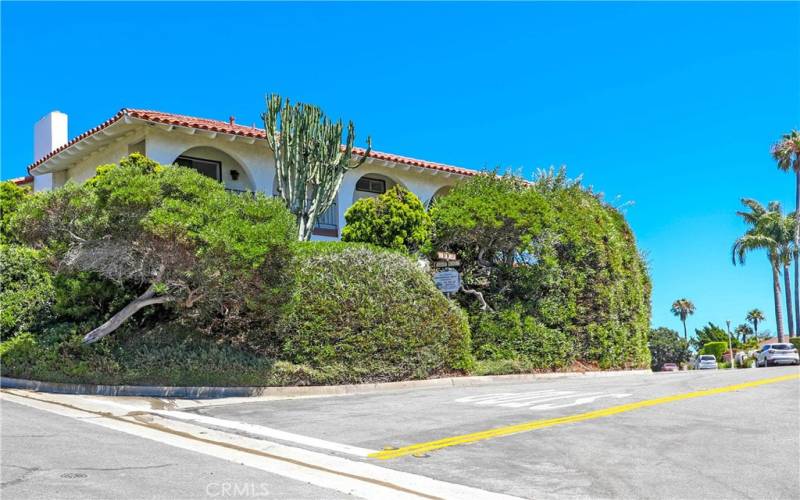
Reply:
x=244, y=131
x=21, y=181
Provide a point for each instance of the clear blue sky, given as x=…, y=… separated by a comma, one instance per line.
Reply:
x=672, y=106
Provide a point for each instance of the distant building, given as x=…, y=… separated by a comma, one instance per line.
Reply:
x=26, y=181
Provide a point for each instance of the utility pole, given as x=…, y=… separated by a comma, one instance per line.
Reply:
x=730, y=344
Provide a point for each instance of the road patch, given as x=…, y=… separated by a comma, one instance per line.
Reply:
x=540, y=424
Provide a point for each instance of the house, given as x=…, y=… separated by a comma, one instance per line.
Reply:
x=23, y=182
x=236, y=155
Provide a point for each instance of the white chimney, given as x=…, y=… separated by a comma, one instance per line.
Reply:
x=49, y=134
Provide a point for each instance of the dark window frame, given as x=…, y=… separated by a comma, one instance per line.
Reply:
x=370, y=180
x=218, y=178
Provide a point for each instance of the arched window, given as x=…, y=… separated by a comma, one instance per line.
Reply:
x=218, y=165
x=372, y=185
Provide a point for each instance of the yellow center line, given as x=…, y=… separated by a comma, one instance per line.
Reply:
x=539, y=424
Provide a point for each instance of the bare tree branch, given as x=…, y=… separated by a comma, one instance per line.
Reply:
x=479, y=295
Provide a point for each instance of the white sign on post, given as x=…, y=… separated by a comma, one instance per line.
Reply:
x=447, y=281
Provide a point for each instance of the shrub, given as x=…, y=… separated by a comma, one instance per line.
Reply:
x=509, y=334
x=795, y=341
x=712, y=333
x=372, y=313
x=26, y=289
x=11, y=196
x=559, y=252
x=20, y=353
x=170, y=233
x=396, y=219
x=715, y=348
x=87, y=297
x=666, y=346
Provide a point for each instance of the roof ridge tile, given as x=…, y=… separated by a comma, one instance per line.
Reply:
x=234, y=129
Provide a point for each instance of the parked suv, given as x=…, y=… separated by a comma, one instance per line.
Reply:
x=705, y=362
x=777, y=354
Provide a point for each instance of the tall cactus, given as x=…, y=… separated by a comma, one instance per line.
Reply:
x=310, y=159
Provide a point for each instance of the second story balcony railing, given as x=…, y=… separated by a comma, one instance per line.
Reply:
x=327, y=223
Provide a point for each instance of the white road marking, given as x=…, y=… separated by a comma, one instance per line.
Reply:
x=352, y=477
x=533, y=399
x=258, y=430
x=579, y=401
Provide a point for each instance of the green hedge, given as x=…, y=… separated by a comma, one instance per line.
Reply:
x=374, y=313
x=26, y=289
x=556, y=253
x=715, y=348
x=510, y=335
x=356, y=314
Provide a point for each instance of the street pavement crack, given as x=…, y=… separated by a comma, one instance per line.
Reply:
x=21, y=479
x=143, y=467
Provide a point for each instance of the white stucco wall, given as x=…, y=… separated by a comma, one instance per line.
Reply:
x=85, y=168
x=254, y=162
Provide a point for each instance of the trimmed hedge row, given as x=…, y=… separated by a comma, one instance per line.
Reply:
x=372, y=312
x=718, y=349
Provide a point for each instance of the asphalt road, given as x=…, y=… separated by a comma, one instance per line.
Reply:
x=714, y=434
x=49, y=457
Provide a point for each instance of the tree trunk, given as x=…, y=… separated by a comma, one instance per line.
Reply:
x=787, y=283
x=685, y=335
x=797, y=253
x=776, y=291
x=148, y=298
x=479, y=295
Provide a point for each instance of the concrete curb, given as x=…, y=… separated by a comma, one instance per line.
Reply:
x=155, y=391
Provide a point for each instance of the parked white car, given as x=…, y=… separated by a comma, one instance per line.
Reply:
x=705, y=362
x=777, y=354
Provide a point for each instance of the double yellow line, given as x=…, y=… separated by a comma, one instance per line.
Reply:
x=421, y=448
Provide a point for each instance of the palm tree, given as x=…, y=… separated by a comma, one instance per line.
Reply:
x=783, y=229
x=787, y=154
x=765, y=233
x=743, y=331
x=683, y=308
x=754, y=317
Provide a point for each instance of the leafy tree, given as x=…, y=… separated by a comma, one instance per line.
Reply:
x=743, y=332
x=666, y=346
x=767, y=232
x=11, y=196
x=710, y=333
x=557, y=253
x=787, y=154
x=396, y=219
x=754, y=317
x=170, y=232
x=309, y=158
x=490, y=221
x=683, y=308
